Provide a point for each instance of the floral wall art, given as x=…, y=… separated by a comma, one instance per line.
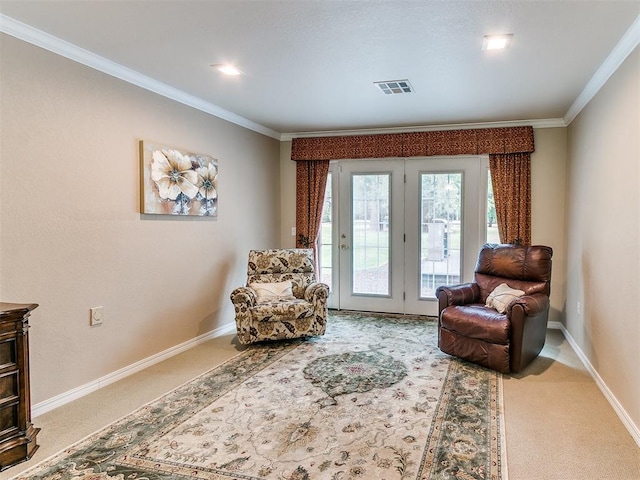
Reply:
x=177, y=182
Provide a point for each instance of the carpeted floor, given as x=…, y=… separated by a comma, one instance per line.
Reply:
x=373, y=398
x=558, y=424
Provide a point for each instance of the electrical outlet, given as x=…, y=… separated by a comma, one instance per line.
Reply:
x=293, y=231
x=97, y=316
x=579, y=308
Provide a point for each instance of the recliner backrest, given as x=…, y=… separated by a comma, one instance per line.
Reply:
x=278, y=265
x=523, y=267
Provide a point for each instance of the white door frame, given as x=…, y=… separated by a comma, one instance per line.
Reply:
x=405, y=283
x=473, y=211
x=393, y=301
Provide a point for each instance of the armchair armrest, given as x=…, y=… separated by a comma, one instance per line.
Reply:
x=316, y=290
x=528, y=315
x=532, y=305
x=458, y=294
x=244, y=295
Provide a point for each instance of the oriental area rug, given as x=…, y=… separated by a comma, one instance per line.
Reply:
x=372, y=399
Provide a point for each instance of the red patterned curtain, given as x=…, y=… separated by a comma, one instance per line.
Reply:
x=509, y=149
x=511, y=180
x=415, y=144
x=311, y=181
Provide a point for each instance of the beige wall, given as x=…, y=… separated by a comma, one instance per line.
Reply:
x=73, y=237
x=603, y=225
x=287, y=195
x=548, y=180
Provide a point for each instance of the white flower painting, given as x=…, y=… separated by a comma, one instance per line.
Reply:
x=175, y=182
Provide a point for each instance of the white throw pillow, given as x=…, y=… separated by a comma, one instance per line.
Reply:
x=502, y=296
x=272, y=292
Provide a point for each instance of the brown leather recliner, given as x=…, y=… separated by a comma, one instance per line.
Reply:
x=509, y=341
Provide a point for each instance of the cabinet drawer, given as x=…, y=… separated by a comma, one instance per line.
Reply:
x=8, y=354
x=9, y=387
x=9, y=419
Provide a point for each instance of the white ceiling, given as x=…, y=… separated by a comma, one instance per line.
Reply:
x=310, y=65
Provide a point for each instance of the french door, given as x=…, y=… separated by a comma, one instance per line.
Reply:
x=444, y=229
x=371, y=235
x=395, y=230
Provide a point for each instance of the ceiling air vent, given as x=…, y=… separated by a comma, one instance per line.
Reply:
x=394, y=87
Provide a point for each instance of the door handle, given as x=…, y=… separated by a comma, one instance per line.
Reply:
x=344, y=247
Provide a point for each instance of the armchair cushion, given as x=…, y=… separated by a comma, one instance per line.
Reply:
x=270, y=292
x=502, y=296
x=477, y=321
x=280, y=311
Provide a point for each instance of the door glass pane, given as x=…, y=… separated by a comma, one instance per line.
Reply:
x=370, y=234
x=441, y=212
x=492, y=223
x=326, y=236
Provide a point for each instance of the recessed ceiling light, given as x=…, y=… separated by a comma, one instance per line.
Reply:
x=227, y=69
x=496, y=42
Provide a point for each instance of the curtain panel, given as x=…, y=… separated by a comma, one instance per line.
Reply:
x=508, y=143
x=311, y=181
x=511, y=181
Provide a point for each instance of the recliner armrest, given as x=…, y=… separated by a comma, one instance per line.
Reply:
x=459, y=294
x=317, y=290
x=532, y=305
x=244, y=295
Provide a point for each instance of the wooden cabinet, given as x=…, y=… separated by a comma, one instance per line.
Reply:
x=17, y=434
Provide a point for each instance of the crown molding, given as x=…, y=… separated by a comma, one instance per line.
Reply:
x=620, y=52
x=61, y=47
x=22, y=31
x=541, y=123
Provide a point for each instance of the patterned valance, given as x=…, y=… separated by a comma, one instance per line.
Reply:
x=415, y=144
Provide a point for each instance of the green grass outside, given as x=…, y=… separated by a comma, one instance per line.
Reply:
x=377, y=254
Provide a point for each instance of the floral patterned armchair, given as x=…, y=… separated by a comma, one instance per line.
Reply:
x=282, y=298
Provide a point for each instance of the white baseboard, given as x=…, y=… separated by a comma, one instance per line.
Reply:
x=613, y=401
x=87, y=388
